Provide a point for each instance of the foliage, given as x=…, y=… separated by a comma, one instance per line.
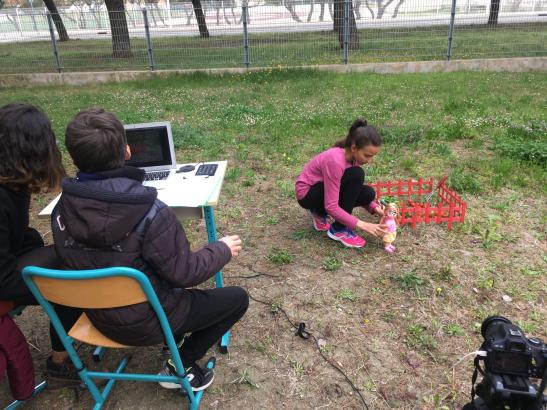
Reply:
x=463, y=180
x=526, y=142
x=331, y=264
x=280, y=256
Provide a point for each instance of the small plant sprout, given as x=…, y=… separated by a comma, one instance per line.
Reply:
x=331, y=264
x=346, y=294
x=279, y=256
x=453, y=329
x=245, y=378
x=276, y=307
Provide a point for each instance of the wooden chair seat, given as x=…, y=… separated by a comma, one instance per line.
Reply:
x=84, y=331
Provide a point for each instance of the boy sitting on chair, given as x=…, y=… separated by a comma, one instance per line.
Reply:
x=106, y=217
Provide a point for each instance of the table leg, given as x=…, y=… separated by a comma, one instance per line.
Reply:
x=212, y=237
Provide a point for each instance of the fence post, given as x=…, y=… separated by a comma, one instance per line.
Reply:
x=244, y=11
x=18, y=20
x=53, y=42
x=149, y=50
x=451, y=30
x=346, y=30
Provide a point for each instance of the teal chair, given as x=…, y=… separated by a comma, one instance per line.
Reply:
x=103, y=288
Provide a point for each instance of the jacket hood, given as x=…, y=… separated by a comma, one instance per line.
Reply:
x=102, y=210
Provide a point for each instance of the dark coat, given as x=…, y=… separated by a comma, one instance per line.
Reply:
x=111, y=219
x=16, y=238
x=15, y=360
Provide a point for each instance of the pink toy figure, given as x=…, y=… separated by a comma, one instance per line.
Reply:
x=390, y=220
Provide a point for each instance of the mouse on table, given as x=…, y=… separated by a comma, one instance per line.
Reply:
x=186, y=168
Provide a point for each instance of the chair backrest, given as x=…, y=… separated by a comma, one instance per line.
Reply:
x=92, y=289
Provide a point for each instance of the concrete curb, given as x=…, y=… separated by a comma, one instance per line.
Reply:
x=82, y=78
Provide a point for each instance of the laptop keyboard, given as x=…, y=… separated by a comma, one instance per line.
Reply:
x=156, y=175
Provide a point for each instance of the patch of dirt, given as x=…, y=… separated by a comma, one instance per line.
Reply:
x=394, y=324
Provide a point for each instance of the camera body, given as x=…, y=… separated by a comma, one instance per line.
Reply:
x=511, y=360
x=509, y=351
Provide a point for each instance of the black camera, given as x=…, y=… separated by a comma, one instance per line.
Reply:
x=510, y=361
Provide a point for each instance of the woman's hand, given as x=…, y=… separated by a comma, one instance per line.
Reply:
x=378, y=230
x=234, y=243
x=379, y=210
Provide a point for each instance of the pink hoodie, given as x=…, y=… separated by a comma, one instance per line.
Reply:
x=327, y=167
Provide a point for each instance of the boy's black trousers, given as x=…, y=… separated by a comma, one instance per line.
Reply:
x=212, y=313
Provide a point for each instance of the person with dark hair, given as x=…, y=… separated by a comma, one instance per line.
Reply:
x=30, y=162
x=332, y=184
x=106, y=217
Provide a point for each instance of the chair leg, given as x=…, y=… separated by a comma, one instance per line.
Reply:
x=98, y=353
x=37, y=389
x=224, y=342
x=197, y=397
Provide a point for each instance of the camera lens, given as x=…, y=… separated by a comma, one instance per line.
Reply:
x=491, y=320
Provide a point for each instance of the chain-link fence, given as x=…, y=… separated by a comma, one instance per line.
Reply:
x=259, y=33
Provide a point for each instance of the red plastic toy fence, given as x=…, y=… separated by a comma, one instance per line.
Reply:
x=447, y=207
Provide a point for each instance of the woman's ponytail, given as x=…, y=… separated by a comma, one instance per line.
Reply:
x=360, y=134
x=359, y=122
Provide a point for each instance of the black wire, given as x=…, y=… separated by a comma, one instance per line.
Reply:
x=348, y=380
x=257, y=274
x=254, y=276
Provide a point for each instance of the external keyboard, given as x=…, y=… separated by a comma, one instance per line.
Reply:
x=207, y=169
x=156, y=175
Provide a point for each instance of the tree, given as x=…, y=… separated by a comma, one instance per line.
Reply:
x=494, y=12
x=121, y=45
x=382, y=6
x=353, y=37
x=57, y=20
x=200, y=18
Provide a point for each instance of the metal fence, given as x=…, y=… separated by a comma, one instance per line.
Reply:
x=261, y=33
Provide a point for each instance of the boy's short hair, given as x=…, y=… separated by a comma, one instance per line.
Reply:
x=96, y=140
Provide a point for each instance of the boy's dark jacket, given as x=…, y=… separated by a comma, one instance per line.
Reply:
x=110, y=219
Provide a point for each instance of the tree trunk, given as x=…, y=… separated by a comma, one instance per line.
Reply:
x=338, y=25
x=121, y=45
x=200, y=17
x=382, y=9
x=369, y=9
x=396, y=11
x=57, y=20
x=494, y=12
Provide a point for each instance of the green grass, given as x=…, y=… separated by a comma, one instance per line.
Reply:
x=279, y=49
x=272, y=122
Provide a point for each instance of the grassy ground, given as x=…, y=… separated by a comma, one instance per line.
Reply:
x=395, y=324
x=286, y=49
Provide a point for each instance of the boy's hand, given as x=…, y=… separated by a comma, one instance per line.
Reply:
x=234, y=243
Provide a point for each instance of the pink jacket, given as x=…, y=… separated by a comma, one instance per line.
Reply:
x=327, y=167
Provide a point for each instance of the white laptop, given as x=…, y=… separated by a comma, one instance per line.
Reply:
x=152, y=150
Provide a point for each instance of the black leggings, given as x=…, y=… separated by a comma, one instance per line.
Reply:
x=212, y=313
x=45, y=257
x=352, y=193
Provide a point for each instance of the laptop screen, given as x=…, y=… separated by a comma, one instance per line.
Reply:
x=150, y=146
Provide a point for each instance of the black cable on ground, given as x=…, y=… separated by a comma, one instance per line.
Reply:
x=305, y=334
